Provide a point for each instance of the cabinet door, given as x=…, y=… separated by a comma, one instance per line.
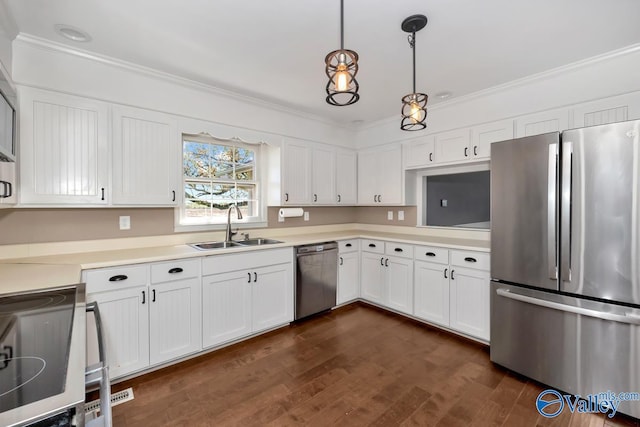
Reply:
x=145, y=158
x=390, y=175
x=484, y=135
x=608, y=110
x=420, y=152
x=174, y=316
x=367, y=177
x=346, y=177
x=432, y=292
x=453, y=146
x=296, y=173
x=323, y=166
x=8, y=188
x=226, y=307
x=348, y=277
x=272, y=296
x=399, y=280
x=545, y=122
x=125, y=328
x=469, y=296
x=63, y=149
x=372, y=278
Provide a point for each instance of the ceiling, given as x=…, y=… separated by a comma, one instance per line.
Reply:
x=274, y=50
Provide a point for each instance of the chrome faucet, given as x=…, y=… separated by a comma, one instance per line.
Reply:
x=238, y=216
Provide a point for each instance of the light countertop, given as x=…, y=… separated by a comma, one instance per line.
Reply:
x=21, y=277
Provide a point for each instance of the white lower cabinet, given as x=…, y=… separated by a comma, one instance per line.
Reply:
x=399, y=284
x=372, y=277
x=348, y=271
x=431, y=292
x=469, y=294
x=243, y=294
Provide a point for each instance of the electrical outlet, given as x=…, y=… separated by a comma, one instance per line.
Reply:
x=125, y=223
x=306, y=215
x=443, y=203
x=400, y=215
x=390, y=215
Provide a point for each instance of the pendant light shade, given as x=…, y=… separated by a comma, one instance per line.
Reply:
x=414, y=105
x=341, y=67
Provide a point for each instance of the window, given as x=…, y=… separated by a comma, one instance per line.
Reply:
x=216, y=174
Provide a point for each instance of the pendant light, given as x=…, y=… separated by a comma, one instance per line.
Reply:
x=341, y=68
x=414, y=105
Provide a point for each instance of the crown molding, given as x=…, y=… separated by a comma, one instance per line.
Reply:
x=56, y=47
x=524, y=81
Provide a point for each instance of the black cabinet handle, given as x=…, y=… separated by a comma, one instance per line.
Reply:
x=475, y=150
x=452, y=274
x=7, y=354
x=431, y=157
x=102, y=193
x=286, y=197
x=143, y=297
x=315, y=197
x=118, y=278
x=470, y=259
x=375, y=196
x=430, y=254
x=176, y=270
x=348, y=245
x=8, y=189
x=338, y=198
x=249, y=277
x=398, y=249
x=173, y=199
x=372, y=245
x=445, y=273
x=466, y=150
x=255, y=277
x=341, y=261
x=386, y=262
x=154, y=296
x=382, y=262
x=379, y=198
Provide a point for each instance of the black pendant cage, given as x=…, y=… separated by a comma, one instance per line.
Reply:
x=414, y=111
x=342, y=64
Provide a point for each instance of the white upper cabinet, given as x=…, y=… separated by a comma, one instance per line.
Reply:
x=609, y=110
x=146, y=158
x=544, y=122
x=483, y=136
x=63, y=149
x=380, y=176
x=296, y=173
x=323, y=171
x=420, y=152
x=346, y=177
x=453, y=146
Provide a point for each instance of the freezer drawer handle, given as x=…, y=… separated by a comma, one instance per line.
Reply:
x=430, y=254
x=629, y=317
x=176, y=270
x=118, y=278
x=470, y=259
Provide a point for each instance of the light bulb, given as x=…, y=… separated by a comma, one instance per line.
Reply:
x=341, y=78
x=414, y=112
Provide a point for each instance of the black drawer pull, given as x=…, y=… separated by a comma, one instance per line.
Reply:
x=398, y=249
x=372, y=245
x=176, y=270
x=348, y=245
x=118, y=278
x=469, y=259
x=430, y=254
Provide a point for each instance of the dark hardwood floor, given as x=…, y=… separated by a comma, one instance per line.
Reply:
x=355, y=366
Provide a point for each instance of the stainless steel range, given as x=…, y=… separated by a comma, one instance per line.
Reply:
x=42, y=357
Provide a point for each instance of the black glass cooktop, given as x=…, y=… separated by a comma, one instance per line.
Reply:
x=35, y=335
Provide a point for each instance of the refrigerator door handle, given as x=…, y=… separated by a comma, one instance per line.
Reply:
x=565, y=213
x=629, y=318
x=552, y=179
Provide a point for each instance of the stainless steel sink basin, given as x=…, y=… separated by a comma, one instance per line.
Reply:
x=215, y=245
x=258, y=241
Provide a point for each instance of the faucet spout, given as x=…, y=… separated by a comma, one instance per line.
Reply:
x=229, y=235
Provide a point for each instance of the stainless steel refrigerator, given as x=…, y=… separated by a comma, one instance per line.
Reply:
x=565, y=259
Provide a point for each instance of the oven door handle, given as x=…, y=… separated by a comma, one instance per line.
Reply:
x=100, y=372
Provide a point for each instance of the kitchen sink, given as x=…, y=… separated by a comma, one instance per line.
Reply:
x=258, y=241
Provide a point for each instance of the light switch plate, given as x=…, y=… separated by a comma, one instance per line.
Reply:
x=125, y=223
x=400, y=215
x=390, y=215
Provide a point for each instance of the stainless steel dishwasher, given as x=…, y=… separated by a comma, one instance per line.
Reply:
x=316, y=278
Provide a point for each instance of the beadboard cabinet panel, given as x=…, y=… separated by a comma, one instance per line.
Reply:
x=346, y=177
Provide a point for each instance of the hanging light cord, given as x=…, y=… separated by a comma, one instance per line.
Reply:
x=342, y=24
x=412, y=43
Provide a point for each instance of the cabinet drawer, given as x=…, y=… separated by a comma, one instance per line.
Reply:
x=348, y=245
x=108, y=279
x=431, y=254
x=398, y=249
x=375, y=246
x=175, y=270
x=468, y=259
x=243, y=261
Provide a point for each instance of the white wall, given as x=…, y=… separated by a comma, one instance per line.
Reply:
x=7, y=34
x=612, y=74
x=52, y=66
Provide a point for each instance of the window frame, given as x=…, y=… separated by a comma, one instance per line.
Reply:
x=257, y=221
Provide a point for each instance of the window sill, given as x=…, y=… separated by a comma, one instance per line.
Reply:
x=187, y=228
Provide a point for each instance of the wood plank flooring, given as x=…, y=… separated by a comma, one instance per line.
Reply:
x=355, y=366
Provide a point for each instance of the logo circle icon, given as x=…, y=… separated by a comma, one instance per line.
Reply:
x=546, y=403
